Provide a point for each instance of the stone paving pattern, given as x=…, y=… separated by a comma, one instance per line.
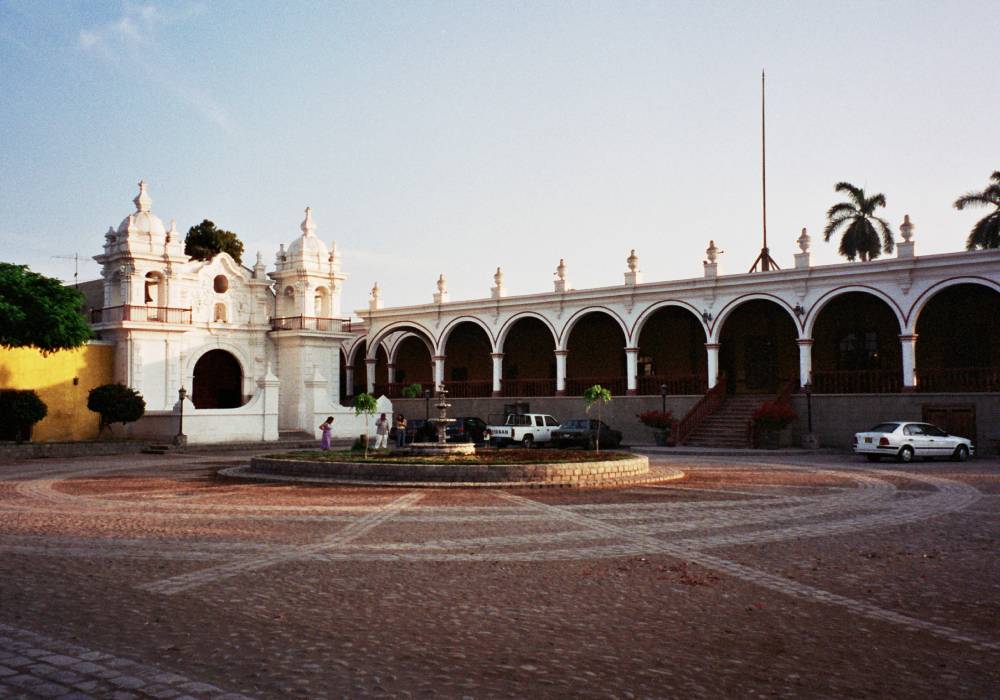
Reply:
x=147, y=576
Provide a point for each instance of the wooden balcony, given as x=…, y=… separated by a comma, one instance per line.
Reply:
x=962, y=379
x=577, y=385
x=310, y=323
x=528, y=387
x=142, y=314
x=684, y=384
x=862, y=381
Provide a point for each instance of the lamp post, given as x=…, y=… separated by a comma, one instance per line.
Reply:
x=180, y=438
x=663, y=398
x=809, y=440
x=427, y=404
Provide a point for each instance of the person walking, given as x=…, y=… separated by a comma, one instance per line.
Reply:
x=382, y=432
x=400, y=430
x=326, y=427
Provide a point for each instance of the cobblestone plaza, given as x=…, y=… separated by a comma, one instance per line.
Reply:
x=805, y=576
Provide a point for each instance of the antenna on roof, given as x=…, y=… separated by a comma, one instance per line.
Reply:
x=765, y=260
x=75, y=257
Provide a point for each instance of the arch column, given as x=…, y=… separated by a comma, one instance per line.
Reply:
x=908, y=345
x=712, y=350
x=631, y=369
x=370, y=374
x=390, y=376
x=438, y=371
x=349, y=380
x=561, y=372
x=805, y=360
x=497, y=371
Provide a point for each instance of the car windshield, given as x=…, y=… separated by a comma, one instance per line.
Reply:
x=884, y=428
x=578, y=424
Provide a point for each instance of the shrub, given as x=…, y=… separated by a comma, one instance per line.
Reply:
x=413, y=391
x=657, y=420
x=773, y=416
x=116, y=403
x=19, y=411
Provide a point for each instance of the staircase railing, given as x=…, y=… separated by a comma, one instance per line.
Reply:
x=705, y=407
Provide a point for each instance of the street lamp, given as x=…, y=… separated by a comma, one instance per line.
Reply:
x=427, y=404
x=808, y=389
x=180, y=438
x=663, y=398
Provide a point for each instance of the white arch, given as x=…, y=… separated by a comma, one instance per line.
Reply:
x=720, y=321
x=512, y=321
x=235, y=351
x=411, y=326
x=817, y=307
x=575, y=318
x=925, y=297
x=648, y=312
x=442, y=342
x=352, y=350
x=394, y=350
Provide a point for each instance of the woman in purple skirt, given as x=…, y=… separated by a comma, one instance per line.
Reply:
x=327, y=427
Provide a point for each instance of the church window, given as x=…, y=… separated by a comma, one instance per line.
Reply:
x=221, y=315
x=220, y=284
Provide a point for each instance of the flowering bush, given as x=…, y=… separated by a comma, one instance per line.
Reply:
x=773, y=416
x=657, y=420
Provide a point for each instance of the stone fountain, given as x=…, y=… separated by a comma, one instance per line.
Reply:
x=442, y=446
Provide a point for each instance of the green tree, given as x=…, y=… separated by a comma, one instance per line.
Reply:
x=860, y=238
x=19, y=411
x=986, y=232
x=365, y=404
x=599, y=395
x=39, y=311
x=413, y=391
x=116, y=403
x=205, y=241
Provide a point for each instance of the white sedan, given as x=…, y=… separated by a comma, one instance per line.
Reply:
x=903, y=441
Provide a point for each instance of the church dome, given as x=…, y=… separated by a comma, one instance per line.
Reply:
x=142, y=221
x=308, y=246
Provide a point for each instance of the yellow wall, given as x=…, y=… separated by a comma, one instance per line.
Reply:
x=52, y=378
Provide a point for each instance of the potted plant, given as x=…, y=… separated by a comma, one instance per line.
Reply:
x=662, y=423
x=769, y=420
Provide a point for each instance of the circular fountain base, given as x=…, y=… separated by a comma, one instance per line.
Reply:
x=438, y=448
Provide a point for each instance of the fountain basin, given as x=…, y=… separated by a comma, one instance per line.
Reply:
x=440, y=448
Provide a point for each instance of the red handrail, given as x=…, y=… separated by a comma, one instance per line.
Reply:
x=705, y=407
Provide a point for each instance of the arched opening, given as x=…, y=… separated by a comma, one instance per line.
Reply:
x=321, y=303
x=468, y=369
x=958, y=340
x=218, y=381
x=382, y=373
x=414, y=364
x=758, y=352
x=342, y=376
x=596, y=346
x=529, y=361
x=856, y=347
x=360, y=372
x=154, y=289
x=672, y=353
x=286, y=303
x=220, y=315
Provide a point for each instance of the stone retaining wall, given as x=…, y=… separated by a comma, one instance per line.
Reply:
x=560, y=473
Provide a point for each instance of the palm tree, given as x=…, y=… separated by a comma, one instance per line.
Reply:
x=986, y=232
x=860, y=240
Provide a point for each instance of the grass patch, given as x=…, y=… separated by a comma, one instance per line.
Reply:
x=482, y=456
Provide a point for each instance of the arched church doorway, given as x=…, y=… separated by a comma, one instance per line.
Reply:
x=218, y=381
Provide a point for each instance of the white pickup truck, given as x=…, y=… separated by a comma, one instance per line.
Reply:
x=525, y=428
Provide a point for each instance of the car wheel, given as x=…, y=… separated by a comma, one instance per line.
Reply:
x=873, y=458
x=905, y=454
x=961, y=454
x=527, y=442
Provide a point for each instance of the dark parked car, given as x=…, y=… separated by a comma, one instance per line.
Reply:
x=466, y=429
x=584, y=432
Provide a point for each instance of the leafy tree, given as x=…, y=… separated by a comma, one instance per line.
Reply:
x=986, y=232
x=19, y=411
x=599, y=395
x=205, y=241
x=39, y=311
x=860, y=239
x=365, y=403
x=413, y=391
x=116, y=403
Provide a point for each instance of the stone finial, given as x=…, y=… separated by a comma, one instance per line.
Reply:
x=172, y=233
x=804, y=241
x=633, y=276
x=632, y=261
x=712, y=252
x=906, y=229
x=307, y=223
x=110, y=235
x=561, y=270
x=375, y=303
x=441, y=296
x=376, y=292
x=498, y=277
x=281, y=254
x=131, y=222
x=142, y=200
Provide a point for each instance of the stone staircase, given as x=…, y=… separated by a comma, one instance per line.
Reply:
x=727, y=426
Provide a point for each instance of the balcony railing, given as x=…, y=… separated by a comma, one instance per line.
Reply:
x=861, y=381
x=310, y=323
x=577, y=385
x=147, y=314
x=686, y=384
x=528, y=387
x=705, y=407
x=970, y=379
x=469, y=389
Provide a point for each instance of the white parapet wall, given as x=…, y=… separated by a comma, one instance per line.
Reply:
x=347, y=424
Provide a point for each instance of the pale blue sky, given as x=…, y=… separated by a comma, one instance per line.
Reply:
x=457, y=136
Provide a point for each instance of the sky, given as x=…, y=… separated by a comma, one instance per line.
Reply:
x=455, y=137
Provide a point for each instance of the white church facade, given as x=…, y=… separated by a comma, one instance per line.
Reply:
x=266, y=351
